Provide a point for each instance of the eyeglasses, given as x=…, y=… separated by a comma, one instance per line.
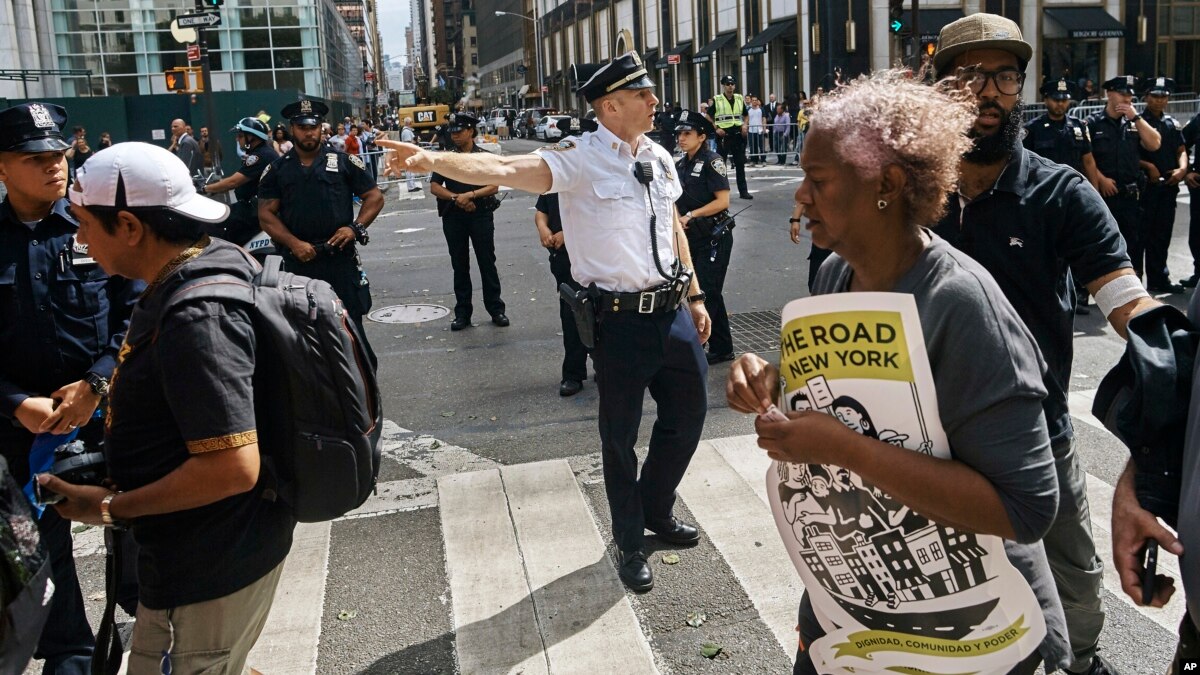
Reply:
x=1008, y=82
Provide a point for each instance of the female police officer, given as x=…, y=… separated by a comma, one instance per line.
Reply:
x=704, y=212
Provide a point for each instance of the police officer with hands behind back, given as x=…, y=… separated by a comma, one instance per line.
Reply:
x=1118, y=133
x=616, y=196
x=254, y=138
x=306, y=204
x=466, y=211
x=1165, y=169
x=62, y=321
x=732, y=120
x=704, y=214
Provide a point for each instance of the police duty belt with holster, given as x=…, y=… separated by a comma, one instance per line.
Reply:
x=485, y=205
x=589, y=305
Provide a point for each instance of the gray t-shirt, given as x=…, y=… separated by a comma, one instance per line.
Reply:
x=988, y=373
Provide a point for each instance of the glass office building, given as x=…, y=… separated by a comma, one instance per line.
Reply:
x=302, y=45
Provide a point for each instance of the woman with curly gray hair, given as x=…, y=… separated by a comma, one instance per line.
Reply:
x=881, y=155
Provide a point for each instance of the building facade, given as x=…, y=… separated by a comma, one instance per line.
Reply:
x=794, y=47
x=303, y=45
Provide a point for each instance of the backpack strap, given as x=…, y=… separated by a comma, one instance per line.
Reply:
x=269, y=276
x=215, y=287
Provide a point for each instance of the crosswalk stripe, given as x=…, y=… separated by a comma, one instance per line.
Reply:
x=739, y=524
x=289, y=640
x=585, y=617
x=494, y=624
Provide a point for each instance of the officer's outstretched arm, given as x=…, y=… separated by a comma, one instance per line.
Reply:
x=523, y=172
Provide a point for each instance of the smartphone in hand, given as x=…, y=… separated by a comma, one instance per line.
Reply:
x=1149, y=570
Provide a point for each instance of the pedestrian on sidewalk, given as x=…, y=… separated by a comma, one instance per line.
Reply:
x=781, y=126
x=181, y=440
x=757, y=158
x=630, y=252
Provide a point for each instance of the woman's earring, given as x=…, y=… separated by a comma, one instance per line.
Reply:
x=882, y=204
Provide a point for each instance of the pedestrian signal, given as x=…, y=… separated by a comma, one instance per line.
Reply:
x=930, y=48
x=176, y=80
x=213, y=3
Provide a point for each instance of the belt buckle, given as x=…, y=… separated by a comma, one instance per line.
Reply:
x=646, y=302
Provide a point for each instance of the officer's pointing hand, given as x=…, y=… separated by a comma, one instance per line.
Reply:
x=405, y=156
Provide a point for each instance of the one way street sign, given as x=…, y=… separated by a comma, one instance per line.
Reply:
x=201, y=20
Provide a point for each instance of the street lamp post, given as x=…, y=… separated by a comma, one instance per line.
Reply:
x=537, y=47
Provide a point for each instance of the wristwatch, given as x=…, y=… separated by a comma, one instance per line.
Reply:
x=699, y=297
x=360, y=233
x=98, y=384
x=793, y=220
x=1135, y=119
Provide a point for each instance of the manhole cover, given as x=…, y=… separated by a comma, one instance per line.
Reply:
x=756, y=332
x=408, y=313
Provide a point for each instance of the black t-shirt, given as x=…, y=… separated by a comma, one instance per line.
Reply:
x=548, y=204
x=447, y=206
x=1166, y=158
x=188, y=391
x=314, y=201
x=1038, y=220
x=254, y=164
x=700, y=177
x=1115, y=146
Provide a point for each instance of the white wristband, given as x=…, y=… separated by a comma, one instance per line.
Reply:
x=1120, y=291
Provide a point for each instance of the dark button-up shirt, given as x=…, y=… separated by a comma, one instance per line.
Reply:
x=1166, y=157
x=61, y=315
x=1115, y=146
x=447, y=207
x=314, y=201
x=1040, y=219
x=253, y=165
x=1065, y=141
x=701, y=177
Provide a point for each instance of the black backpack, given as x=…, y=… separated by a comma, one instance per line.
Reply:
x=25, y=587
x=316, y=401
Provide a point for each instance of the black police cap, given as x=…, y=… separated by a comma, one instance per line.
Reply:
x=728, y=79
x=305, y=112
x=459, y=121
x=33, y=127
x=1058, y=90
x=697, y=122
x=1122, y=83
x=1160, y=86
x=624, y=72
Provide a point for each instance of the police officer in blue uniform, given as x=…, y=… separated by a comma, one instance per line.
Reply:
x=62, y=321
x=1065, y=140
x=704, y=213
x=1118, y=134
x=254, y=138
x=1165, y=169
x=306, y=204
x=467, y=221
x=1191, y=135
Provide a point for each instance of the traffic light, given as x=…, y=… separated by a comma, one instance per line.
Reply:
x=213, y=3
x=177, y=79
x=930, y=48
x=896, y=22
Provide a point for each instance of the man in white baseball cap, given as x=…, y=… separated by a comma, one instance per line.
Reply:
x=181, y=439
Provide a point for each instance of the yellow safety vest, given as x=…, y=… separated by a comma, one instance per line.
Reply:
x=728, y=116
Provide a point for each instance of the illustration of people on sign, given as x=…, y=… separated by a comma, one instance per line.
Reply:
x=863, y=545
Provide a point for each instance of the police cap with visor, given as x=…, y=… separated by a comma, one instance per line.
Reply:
x=461, y=121
x=305, y=112
x=624, y=72
x=694, y=121
x=33, y=127
x=1160, y=86
x=1057, y=90
x=1126, y=84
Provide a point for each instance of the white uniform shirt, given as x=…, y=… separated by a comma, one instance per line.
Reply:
x=605, y=211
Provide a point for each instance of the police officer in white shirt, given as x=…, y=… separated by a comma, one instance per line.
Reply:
x=628, y=247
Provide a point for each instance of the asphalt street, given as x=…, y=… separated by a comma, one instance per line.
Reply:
x=390, y=589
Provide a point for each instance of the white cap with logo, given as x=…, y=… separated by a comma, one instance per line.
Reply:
x=141, y=175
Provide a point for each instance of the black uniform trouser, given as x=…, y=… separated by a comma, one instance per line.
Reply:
x=1128, y=214
x=712, y=263
x=734, y=144
x=635, y=352
x=1194, y=229
x=574, y=365
x=816, y=257
x=465, y=231
x=1158, y=220
x=342, y=271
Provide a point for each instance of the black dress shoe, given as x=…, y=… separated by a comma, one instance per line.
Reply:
x=718, y=358
x=570, y=387
x=1164, y=287
x=500, y=320
x=1191, y=281
x=460, y=322
x=746, y=195
x=635, y=571
x=675, y=531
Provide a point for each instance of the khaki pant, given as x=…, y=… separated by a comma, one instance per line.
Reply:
x=206, y=638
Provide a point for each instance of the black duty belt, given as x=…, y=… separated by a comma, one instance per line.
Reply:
x=653, y=301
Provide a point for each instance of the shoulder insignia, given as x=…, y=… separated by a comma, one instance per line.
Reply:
x=250, y=160
x=1078, y=133
x=718, y=165
x=564, y=145
x=357, y=161
x=266, y=171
